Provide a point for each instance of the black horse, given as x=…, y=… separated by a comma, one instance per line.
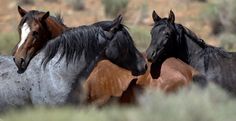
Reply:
x=89, y=44
x=175, y=40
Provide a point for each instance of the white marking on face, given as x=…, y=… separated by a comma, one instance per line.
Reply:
x=25, y=30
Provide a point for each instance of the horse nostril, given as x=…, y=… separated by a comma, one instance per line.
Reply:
x=146, y=66
x=22, y=61
x=153, y=54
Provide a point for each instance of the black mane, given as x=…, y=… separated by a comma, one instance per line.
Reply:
x=73, y=42
x=208, y=51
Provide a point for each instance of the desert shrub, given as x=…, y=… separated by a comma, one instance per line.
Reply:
x=228, y=41
x=52, y=0
x=23, y=2
x=221, y=15
x=190, y=104
x=7, y=42
x=211, y=15
x=77, y=4
x=198, y=0
x=227, y=15
x=115, y=7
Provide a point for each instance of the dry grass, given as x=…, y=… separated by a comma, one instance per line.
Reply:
x=192, y=104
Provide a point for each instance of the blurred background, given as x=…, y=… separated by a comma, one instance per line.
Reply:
x=212, y=20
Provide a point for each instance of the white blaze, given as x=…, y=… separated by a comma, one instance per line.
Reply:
x=25, y=30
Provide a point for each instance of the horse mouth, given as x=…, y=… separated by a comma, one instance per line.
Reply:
x=22, y=66
x=138, y=73
x=21, y=70
x=156, y=54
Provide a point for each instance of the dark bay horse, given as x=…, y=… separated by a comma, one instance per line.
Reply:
x=175, y=40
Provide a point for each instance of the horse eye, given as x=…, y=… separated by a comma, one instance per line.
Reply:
x=35, y=34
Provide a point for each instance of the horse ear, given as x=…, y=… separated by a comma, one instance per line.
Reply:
x=44, y=16
x=171, y=17
x=116, y=23
x=155, y=17
x=21, y=11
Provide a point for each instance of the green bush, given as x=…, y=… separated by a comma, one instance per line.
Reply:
x=7, y=42
x=190, y=104
x=115, y=7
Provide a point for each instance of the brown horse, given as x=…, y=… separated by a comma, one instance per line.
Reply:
x=35, y=30
x=108, y=80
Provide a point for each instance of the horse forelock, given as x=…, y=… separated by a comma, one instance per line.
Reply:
x=34, y=15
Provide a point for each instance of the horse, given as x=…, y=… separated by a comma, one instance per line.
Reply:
x=97, y=76
x=110, y=82
x=175, y=40
x=36, y=28
x=75, y=53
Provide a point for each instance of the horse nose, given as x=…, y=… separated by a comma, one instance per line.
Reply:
x=142, y=67
x=151, y=56
x=19, y=61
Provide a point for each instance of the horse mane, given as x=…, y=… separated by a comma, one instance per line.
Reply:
x=208, y=50
x=58, y=17
x=72, y=43
x=106, y=24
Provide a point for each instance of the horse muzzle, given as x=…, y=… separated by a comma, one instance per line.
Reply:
x=154, y=55
x=21, y=64
x=141, y=69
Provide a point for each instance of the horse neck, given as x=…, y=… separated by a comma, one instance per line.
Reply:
x=55, y=28
x=188, y=48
